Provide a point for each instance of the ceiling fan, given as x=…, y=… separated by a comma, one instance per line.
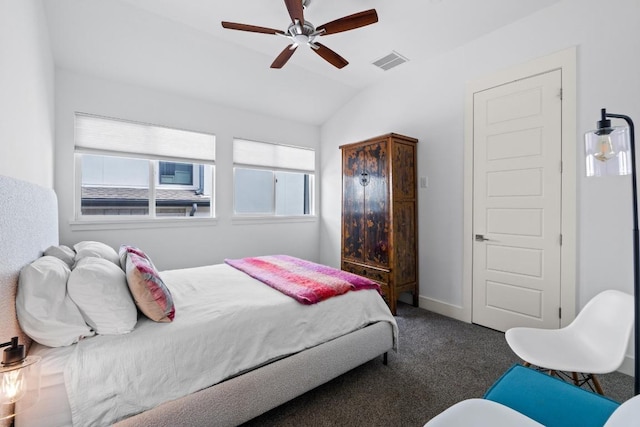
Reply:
x=303, y=32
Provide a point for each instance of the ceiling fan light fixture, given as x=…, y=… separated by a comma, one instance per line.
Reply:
x=301, y=31
x=301, y=39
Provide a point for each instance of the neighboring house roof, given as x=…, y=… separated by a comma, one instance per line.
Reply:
x=99, y=196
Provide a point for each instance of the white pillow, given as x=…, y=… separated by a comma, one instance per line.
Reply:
x=45, y=311
x=99, y=289
x=96, y=249
x=62, y=252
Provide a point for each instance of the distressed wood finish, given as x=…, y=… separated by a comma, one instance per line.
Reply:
x=379, y=213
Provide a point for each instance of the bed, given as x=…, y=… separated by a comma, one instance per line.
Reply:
x=29, y=226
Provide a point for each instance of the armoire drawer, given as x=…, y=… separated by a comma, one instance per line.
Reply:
x=374, y=274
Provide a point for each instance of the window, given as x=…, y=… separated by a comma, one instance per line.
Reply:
x=135, y=170
x=176, y=173
x=272, y=179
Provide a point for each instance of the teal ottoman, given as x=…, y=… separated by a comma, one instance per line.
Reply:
x=549, y=400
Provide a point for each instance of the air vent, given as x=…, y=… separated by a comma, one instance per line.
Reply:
x=389, y=61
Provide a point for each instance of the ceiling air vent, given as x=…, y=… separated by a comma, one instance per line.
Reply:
x=389, y=61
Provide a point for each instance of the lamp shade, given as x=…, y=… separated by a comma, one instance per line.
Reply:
x=608, y=151
x=19, y=385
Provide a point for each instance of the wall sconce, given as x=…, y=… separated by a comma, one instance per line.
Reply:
x=19, y=379
x=611, y=151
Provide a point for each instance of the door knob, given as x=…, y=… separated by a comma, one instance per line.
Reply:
x=481, y=238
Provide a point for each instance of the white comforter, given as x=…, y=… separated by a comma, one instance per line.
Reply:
x=226, y=322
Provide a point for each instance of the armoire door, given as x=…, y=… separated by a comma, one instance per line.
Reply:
x=353, y=232
x=376, y=204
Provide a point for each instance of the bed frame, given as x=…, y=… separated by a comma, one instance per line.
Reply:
x=29, y=225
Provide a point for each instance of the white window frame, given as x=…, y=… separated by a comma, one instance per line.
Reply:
x=262, y=163
x=86, y=222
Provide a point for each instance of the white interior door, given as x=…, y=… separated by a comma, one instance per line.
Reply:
x=517, y=129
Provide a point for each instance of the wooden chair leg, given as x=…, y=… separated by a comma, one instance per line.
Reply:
x=576, y=380
x=597, y=385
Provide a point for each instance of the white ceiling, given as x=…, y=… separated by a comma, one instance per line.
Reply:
x=180, y=46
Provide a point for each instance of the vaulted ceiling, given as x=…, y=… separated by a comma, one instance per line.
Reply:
x=181, y=47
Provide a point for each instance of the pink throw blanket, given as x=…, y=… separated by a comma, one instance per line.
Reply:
x=304, y=281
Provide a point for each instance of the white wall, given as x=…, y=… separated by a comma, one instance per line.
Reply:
x=426, y=101
x=26, y=93
x=177, y=247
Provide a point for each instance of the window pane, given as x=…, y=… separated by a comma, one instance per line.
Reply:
x=114, y=185
x=253, y=191
x=176, y=173
x=292, y=193
x=193, y=199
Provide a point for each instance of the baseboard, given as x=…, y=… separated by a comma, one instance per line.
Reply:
x=444, y=308
x=458, y=313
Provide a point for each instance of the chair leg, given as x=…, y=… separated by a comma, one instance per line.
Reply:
x=585, y=380
x=597, y=385
x=576, y=380
x=575, y=377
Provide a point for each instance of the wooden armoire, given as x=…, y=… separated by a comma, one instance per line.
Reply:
x=379, y=213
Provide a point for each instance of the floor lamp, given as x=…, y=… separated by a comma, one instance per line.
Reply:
x=611, y=151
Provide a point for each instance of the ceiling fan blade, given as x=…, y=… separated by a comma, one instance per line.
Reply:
x=329, y=55
x=250, y=28
x=295, y=10
x=350, y=22
x=284, y=56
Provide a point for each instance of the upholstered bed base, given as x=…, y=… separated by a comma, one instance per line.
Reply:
x=29, y=225
x=244, y=397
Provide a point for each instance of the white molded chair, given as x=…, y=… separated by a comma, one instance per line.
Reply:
x=594, y=343
x=485, y=413
x=481, y=413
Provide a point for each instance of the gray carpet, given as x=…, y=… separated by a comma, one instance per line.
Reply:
x=441, y=361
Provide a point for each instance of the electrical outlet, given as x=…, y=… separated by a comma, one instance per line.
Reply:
x=424, y=181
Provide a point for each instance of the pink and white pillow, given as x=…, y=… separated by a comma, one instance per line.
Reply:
x=150, y=294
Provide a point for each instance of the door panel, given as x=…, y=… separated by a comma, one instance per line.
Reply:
x=405, y=232
x=513, y=145
x=515, y=221
x=517, y=200
x=520, y=301
x=514, y=261
x=523, y=182
x=404, y=185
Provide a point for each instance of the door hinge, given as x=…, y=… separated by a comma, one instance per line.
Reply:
x=561, y=239
x=560, y=94
x=559, y=312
